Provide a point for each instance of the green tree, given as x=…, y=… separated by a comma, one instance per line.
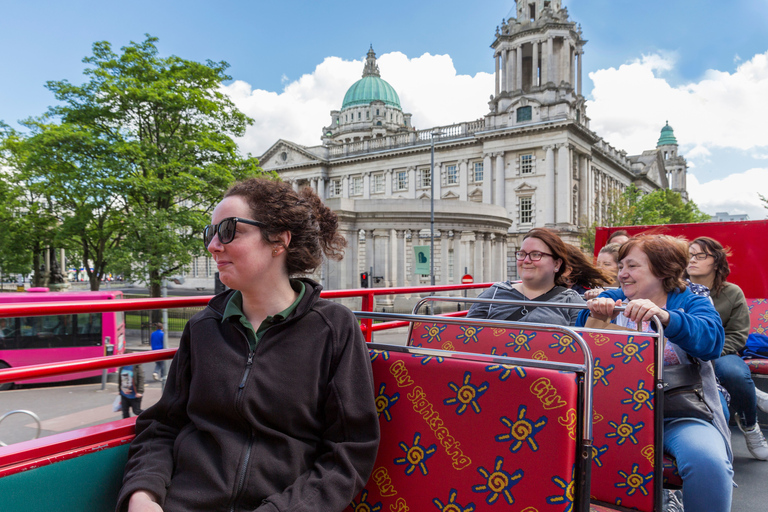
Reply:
x=662, y=206
x=142, y=153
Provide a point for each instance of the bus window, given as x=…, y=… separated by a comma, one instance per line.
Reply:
x=88, y=329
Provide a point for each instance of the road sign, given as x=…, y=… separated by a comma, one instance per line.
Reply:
x=467, y=279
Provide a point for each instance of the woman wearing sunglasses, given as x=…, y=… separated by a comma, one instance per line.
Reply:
x=708, y=266
x=269, y=402
x=542, y=262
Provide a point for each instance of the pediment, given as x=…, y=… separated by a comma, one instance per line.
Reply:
x=450, y=195
x=524, y=187
x=423, y=195
x=284, y=153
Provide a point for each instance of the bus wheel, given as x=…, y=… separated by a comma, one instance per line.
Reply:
x=6, y=385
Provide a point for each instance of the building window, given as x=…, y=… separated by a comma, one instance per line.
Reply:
x=208, y=266
x=401, y=180
x=425, y=178
x=477, y=172
x=524, y=114
x=377, y=184
x=526, y=164
x=356, y=186
x=451, y=175
x=367, y=114
x=526, y=210
x=335, y=188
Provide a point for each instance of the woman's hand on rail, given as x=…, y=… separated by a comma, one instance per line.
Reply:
x=642, y=310
x=593, y=293
x=142, y=501
x=602, y=308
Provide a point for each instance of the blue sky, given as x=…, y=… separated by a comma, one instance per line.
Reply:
x=666, y=53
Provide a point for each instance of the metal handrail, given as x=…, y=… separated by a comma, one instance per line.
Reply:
x=28, y=413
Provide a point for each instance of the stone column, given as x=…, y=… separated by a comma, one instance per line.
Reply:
x=511, y=62
x=349, y=278
x=321, y=187
x=411, y=182
x=415, y=240
x=565, y=60
x=535, y=64
x=550, y=59
x=438, y=180
x=444, y=260
x=487, y=258
x=578, y=71
x=463, y=179
x=460, y=256
x=500, y=173
x=345, y=186
x=496, y=76
x=382, y=259
x=519, y=68
x=388, y=183
x=487, y=179
x=584, y=201
x=477, y=256
x=563, y=208
x=400, y=257
x=549, y=189
x=572, y=68
x=366, y=185
x=369, y=252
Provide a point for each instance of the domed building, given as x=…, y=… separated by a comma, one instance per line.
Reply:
x=531, y=161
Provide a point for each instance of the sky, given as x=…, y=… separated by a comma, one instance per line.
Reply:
x=701, y=65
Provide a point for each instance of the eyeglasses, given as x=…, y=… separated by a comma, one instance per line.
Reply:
x=226, y=229
x=534, y=255
x=699, y=256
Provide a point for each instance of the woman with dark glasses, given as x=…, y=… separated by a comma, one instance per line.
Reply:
x=542, y=262
x=269, y=402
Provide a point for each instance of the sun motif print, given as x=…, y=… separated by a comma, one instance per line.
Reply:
x=520, y=341
x=639, y=396
x=635, y=481
x=624, y=430
x=630, y=349
x=364, y=506
x=469, y=334
x=568, y=489
x=415, y=456
x=522, y=431
x=601, y=373
x=433, y=333
x=452, y=506
x=498, y=482
x=384, y=402
x=466, y=395
x=564, y=343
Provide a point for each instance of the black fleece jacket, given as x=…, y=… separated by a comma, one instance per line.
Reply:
x=290, y=427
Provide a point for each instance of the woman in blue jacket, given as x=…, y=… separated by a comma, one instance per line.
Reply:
x=651, y=271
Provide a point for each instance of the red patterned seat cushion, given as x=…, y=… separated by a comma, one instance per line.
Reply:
x=623, y=401
x=758, y=319
x=457, y=432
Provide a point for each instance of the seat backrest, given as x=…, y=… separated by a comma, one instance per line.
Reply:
x=625, y=426
x=457, y=431
x=758, y=316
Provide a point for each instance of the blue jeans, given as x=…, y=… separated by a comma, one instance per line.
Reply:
x=160, y=368
x=703, y=464
x=734, y=375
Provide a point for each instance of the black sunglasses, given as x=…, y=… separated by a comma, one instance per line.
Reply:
x=226, y=229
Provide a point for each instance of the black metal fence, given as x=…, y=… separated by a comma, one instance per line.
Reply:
x=177, y=319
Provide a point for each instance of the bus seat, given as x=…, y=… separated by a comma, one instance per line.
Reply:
x=624, y=430
x=758, y=319
x=456, y=430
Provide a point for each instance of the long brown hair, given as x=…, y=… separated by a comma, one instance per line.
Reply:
x=582, y=272
x=721, y=267
x=313, y=226
x=668, y=257
x=556, y=247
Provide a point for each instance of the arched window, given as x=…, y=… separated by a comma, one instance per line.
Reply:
x=524, y=114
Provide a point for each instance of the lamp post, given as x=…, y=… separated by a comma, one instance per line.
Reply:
x=435, y=133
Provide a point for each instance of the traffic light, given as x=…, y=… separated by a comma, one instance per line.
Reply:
x=364, y=280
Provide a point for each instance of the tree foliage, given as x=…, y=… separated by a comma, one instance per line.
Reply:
x=633, y=208
x=135, y=158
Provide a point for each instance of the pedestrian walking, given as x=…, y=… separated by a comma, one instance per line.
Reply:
x=157, y=343
x=131, y=379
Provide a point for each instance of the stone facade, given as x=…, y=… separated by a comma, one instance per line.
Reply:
x=531, y=161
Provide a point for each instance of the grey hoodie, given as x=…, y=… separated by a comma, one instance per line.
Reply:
x=540, y=315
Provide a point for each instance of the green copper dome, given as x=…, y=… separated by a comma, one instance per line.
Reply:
x=368, y=89
x=667, y=136
x=371, y=87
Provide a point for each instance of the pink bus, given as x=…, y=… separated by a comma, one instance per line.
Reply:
x=47, y=339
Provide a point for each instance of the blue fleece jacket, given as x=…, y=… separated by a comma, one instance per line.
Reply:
x=694, y=324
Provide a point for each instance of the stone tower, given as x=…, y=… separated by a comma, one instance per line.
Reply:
x=674, y=164
x=538, y=67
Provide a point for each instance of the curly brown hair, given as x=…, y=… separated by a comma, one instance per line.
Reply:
x=668, y=257
x=582, y=272
x=312, y=225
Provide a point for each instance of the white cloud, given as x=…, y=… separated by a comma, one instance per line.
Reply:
x=630, y=105
x=735, y=194
x=428, y=86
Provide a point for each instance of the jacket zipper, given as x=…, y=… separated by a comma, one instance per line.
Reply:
x=241, y=480
x=247, y=458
